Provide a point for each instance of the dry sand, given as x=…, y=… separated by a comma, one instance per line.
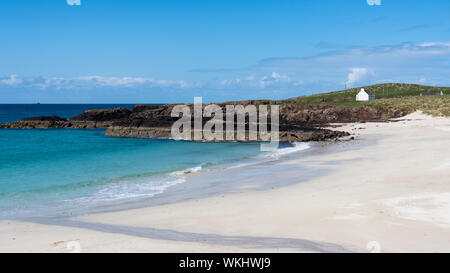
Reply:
x=390, y=196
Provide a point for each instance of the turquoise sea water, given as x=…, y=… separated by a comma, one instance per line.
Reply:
x=59, y=169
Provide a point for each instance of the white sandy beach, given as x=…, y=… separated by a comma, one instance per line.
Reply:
x=390, y=196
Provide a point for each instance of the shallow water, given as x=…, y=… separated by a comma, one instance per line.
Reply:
x=48, y=168
x=54, y=171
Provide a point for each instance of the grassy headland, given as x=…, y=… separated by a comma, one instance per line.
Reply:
x=390, y=98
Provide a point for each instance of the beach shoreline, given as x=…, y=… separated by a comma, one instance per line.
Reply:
x=385, y=191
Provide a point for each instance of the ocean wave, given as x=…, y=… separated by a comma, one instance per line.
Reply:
x=138, y=187
x=188, y=171
x=154, y=185
x=109, y=191
x=126, y=188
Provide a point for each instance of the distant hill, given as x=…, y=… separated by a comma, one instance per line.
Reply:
x=382, y=91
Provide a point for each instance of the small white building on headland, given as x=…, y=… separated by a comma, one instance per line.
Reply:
x=365, y=95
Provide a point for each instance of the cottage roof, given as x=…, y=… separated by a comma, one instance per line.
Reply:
x=367, y=91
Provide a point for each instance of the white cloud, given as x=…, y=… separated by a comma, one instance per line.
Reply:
x=88, y=82
x=374, y=2
x=230, y=82
x=434, y=44
x=274, y=79
x=407, y=62
x=11, y=81
x=74, y=2
x=126, y=81
x=356, y=75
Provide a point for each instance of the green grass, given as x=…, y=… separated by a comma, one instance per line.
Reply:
x=432, y=105
x=390, y=98
x=382, y=91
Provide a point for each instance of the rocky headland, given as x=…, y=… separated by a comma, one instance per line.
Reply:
x=297, y=122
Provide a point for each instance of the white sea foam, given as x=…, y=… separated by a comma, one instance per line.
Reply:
x=187, y=171
x=145, y=187
x=296, y=147
x=139, y=187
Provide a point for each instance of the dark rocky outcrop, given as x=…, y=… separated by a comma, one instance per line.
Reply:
x=298, y=122
x=37, y=122
x=103, y=115
x=45, y=118
x=315, y=114
x=294, y=135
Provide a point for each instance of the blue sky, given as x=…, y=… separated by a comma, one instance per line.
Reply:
x=109, y=51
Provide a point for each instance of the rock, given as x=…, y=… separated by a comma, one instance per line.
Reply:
x=297, y=122
x=328, y=113
x=103, y=115
x=45, y=118
x=37, y=122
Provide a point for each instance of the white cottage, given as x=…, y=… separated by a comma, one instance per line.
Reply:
x=365, y=95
